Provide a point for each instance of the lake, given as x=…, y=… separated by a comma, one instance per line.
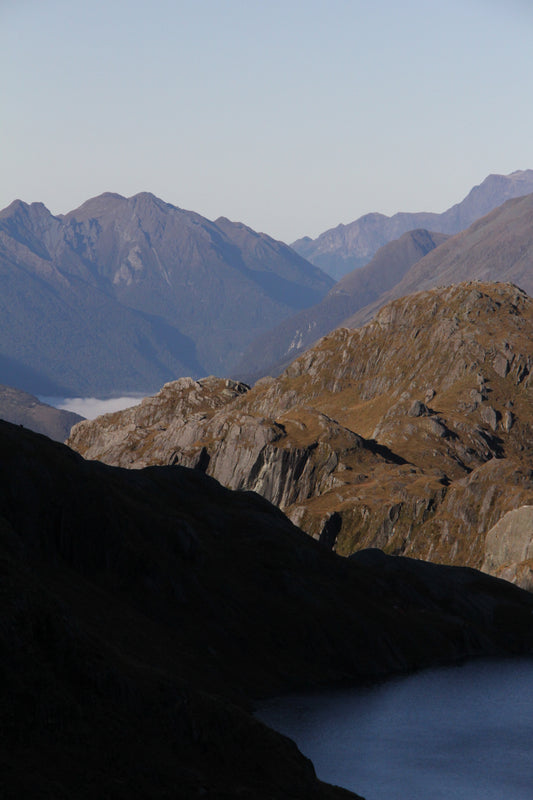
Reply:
x=460, y=732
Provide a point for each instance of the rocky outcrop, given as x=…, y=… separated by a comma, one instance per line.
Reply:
x=187, y=423
x=404, y=432
x=139, y=435
x=509, y=547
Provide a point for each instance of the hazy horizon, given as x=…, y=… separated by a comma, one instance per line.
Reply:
x=291, y=118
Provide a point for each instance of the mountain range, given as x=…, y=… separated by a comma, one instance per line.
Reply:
x=347, y=247
x=497, y=247
x=124, y=294
x=272, y=351
x=262, y=539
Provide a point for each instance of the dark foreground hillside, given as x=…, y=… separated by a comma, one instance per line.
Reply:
x=142, y=611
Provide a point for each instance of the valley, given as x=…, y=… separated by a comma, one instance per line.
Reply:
x=122, y=294
x=496, y=247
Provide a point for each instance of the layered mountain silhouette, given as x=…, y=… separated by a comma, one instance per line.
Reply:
x=346, y=247
x=144, y=610
x=413, y=434
x=125, y=294
x=498, y=247
x=272, y=351
x=122, y=295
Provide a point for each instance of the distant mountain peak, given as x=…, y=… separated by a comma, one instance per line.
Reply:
x=19, y=208
x=150, y=200
x=96, y=206
x=350, y=246
x=126, y=293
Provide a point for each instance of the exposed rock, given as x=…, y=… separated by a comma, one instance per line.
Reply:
x=507, y=421
x=490, y=416
x=434, y=427
x=331, y=530
x=418, y=409
x=477, y=397
x=501, y=365
x=183, y=405
x=333, y=437
x=509, y=547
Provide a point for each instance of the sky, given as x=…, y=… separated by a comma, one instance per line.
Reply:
x=291, y=117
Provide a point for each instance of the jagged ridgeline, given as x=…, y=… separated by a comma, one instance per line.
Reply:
x=123, y=294
x=498, y=247
x=347, y=247
x=412, y=434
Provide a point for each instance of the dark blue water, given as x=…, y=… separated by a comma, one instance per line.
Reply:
x=462, y=732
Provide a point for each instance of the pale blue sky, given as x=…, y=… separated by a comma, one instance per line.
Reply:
x=289, y=116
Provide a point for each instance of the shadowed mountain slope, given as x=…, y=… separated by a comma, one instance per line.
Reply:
x=24, y=409
x=271, y=352
x=141, y=610
x=347, y=247
x=413, y=434
x=498, y=247
x=124, y=294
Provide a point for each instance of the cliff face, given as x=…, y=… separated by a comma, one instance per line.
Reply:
x=509, y=547
x=413, y=434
